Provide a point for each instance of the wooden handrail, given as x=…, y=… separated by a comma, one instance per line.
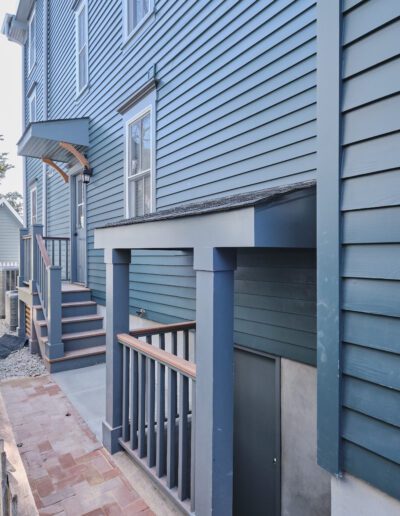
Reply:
x=165, y=328
x=179, y=365
x=43, y=250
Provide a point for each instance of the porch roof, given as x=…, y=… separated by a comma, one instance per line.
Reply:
x=282, y=216
x=43, y=139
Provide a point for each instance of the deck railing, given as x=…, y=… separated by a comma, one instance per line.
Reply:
x=158, y=405
x=58, y=249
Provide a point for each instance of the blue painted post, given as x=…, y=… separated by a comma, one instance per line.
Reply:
x=55, y=346
x=328, y=234
x=117, y=321
x=36, y=229
x=214, y=381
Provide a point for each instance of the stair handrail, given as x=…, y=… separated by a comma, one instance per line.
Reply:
x=49, y=287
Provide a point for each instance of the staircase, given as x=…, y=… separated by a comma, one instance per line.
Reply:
x=82, y=331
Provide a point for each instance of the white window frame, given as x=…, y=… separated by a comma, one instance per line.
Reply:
x=32, y=101
x=139, y=110
x=32, y=44
x=83, y=4
x=129, y=35
x=33, y=189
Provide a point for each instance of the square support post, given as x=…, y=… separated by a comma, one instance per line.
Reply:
x=23, y=232
x=214, y=383
x=117, y=321
x=55, y=346
x=36, y=229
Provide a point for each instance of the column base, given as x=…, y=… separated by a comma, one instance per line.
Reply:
x=54, y=350
x=110, y=437
x=34, y=347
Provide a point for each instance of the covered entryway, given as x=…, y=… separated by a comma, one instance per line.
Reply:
x=256, y=435
x=199, y=472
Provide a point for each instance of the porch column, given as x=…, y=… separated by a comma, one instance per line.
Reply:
x=117, y=321
x=36, y=229
x=214, y=383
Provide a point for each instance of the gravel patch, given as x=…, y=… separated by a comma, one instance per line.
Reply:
x=21, y=363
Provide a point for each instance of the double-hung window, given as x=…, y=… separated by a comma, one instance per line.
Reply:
x=139, y=159
x=32, y=40
x=136, y=13
x=82, y=48
x=32, y=106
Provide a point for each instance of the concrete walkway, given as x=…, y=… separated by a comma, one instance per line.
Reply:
x=69, y=471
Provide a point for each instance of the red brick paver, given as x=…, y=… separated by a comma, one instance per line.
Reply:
x=69, y=471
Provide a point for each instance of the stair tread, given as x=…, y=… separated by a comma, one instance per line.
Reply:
x=79, y=353
x=77, y=318
x=79, y=335
x=70, y=305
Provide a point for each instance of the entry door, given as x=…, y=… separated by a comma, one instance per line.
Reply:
x=256, y=459
x=80, y=230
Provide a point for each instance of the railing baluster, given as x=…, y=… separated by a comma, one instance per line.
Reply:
x=52, y=252
x=59, y=253
x=134, y=398
x=160, y=455
x=142, y=406
x=67, y=260
x=174, y=339
x=171, y=429
x=192, y=446
x=125, y=393
x=186, y=344
x=183, y=454
x=151, y=434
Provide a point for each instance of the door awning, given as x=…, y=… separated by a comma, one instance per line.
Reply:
x=283, y=216
x=55, y=140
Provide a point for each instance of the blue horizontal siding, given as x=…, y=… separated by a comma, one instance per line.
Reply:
x=370, y=266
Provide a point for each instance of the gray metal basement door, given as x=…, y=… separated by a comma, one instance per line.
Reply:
x=256, y=458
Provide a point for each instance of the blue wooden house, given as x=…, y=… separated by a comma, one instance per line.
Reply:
x=211, y=192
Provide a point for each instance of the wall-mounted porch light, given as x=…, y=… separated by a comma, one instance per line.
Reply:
x=86, y=175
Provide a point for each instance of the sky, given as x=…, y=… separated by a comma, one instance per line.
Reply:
x=10, y=102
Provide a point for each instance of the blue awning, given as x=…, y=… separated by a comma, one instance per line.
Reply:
x=42, y=139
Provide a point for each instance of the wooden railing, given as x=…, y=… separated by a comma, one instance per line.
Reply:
x=158, y=405
x=42, y=275
x=58, y=249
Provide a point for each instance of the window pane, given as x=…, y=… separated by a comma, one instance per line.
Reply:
x=82, y=69
x=82, y=36
x=147, y=200
x=145, y=164
x=136, y=11
x=134, y=148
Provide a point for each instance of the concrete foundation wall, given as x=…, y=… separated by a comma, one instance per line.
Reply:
x=306, y=489
x=353, y=496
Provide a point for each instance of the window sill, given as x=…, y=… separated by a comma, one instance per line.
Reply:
x=132, y=38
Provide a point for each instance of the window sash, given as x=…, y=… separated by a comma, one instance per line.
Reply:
x=32, y=40
x=136, y=12
x=139, y=194
x=32, y=107
x=33, y=205
x=82, y=57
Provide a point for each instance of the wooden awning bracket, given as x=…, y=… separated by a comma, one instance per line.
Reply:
x=78, y=155
x=59, y=170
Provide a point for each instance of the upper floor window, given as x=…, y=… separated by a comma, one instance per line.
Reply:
x=32, y=106
x=139, y=138
x=32, y=40
x=33, y=199
x=82, y=61
x=136, y=12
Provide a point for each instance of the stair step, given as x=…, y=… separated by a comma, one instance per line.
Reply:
x=79, y=335
x=79, y=353
x=76, y=359
x=79, y=318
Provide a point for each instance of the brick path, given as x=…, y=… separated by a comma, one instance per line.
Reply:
x=69, y=471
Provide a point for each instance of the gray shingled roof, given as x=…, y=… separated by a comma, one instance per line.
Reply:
x=230, y=202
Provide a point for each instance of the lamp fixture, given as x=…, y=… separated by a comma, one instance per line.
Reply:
x=86, y=175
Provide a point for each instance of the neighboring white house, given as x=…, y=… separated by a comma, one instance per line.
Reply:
x=10, y=223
